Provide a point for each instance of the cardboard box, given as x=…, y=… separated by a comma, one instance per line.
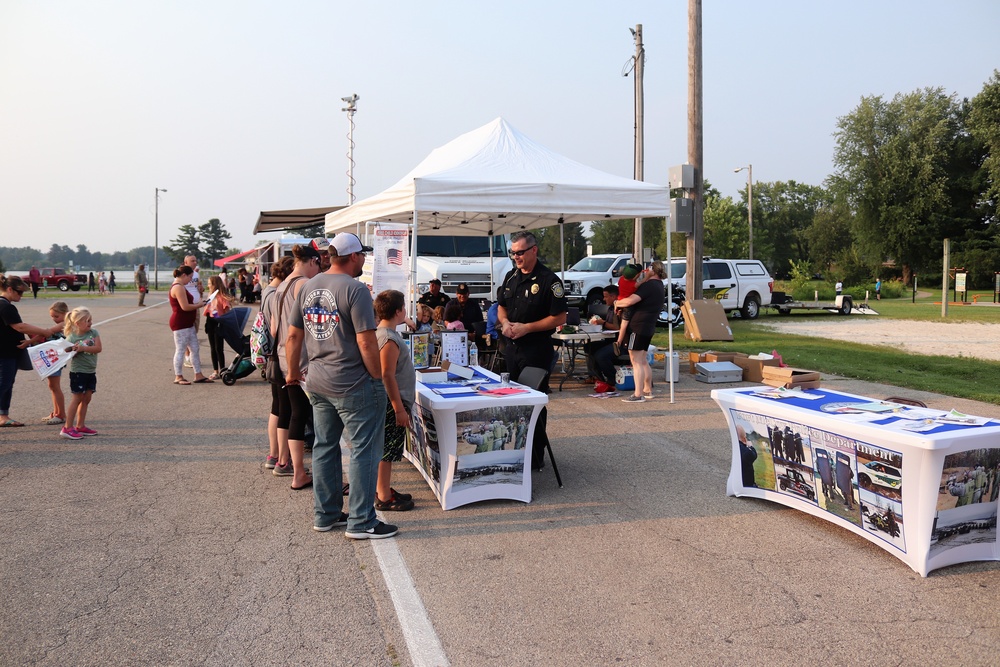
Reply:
x=432, y=375
x=753, y=369
x=714, y=372
x=455, y=369
x=723, y=356
x=704, y=319
x=812, y=384
x=789, y=375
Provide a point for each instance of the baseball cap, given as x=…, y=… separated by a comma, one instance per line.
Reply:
x=345, y=243
x=434, y=281
x=307, y=250
x=462, y=289
x=631, y=271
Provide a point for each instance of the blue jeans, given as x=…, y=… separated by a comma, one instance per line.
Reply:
x=8, y=369
x=360, y=418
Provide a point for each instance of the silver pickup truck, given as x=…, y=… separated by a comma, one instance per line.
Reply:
x=737, y=284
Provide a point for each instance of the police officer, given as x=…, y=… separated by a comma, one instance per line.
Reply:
x=472, y=312
x=531, y=304
x=435, y=297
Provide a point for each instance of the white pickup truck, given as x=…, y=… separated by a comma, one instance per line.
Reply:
x=737, y=284
x=585, y=280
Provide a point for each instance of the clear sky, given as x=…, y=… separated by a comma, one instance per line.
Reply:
x=235, y=107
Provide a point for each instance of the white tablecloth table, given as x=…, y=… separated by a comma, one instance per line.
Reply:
x=929, y=498
x=474, y=447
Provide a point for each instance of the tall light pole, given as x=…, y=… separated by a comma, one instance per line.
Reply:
x=749, y=169
x=351, y=109
x=156, y=239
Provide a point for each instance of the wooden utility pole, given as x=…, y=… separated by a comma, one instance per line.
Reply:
x=695, y=242
x=640, y=57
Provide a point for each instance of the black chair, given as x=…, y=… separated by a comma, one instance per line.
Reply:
x=532, y=376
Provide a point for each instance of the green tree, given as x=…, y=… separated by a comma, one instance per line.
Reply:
x=782, y=213
x=573, y=241
x=893, y=162
x=611, y=236
x=186, y=243
x=829, y=236
x=726, y=231
x=984, y=126
x=213, y=236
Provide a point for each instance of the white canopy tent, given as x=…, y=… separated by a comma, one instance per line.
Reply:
x=495, y=180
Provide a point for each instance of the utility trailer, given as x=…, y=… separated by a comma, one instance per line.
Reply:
x=842, y=305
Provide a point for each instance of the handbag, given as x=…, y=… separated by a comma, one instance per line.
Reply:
x=24, y=360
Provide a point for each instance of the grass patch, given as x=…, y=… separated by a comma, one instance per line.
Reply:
x=962, y=377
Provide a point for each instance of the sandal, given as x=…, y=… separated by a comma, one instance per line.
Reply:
x=203, y=381
x=52, y=421
x=10, y=423
x=181, y=382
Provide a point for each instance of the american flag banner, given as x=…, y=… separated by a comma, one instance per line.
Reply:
x=394, y=256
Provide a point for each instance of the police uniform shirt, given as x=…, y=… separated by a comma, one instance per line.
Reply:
x=472, y=312
x=532, y=297
x=429, y=299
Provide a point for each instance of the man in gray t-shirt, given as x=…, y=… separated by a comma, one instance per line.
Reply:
x=335, y=320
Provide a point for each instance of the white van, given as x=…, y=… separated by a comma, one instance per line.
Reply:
x=737, y=284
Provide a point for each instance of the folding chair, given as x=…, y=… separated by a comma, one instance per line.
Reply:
x=532, y=376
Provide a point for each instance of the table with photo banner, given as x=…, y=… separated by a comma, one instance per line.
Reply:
x=473, y=443
x=920, y=483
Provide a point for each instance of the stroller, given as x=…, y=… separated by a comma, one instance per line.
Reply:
x=231, y=326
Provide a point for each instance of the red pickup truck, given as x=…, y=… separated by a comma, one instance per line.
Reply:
x=59, y=278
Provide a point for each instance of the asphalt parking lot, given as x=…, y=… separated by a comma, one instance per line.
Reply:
x=164, y=541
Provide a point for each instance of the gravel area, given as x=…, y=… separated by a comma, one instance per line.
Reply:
x=968, y=339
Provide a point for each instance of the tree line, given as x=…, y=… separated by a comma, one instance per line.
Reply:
x=909, y=172
x=206, y=242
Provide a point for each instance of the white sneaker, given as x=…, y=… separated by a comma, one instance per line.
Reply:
x=187, y=362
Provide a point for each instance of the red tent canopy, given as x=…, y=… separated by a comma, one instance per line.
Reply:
x=232, y=258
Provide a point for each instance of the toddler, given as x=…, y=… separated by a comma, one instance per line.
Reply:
x=57, y=312
x=629, y=280
x=453, y=316
x=82, y=371
x=438, y=323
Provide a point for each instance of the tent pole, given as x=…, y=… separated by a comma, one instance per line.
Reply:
x=562, y=254
x=413, y=270
x=670, y=312
x=492, y=284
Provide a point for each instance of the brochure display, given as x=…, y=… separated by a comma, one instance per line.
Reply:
x=922, y=484
x=471, y=439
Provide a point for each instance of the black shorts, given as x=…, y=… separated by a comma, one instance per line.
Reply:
x=636, y=342
x=81, y=383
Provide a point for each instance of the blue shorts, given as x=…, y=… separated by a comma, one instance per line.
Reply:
x=80, y=383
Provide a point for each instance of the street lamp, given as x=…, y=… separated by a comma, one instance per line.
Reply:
x=749, y=169
x=156, y=239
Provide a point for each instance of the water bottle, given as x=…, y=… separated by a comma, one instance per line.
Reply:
x=473, y=356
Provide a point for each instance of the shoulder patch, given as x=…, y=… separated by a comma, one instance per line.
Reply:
x=557, y=290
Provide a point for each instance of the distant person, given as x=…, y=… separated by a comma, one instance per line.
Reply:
x=182, y=318
x=195, y=289
x=91, y=283
x=472, y=312
x=626, y=288
x=453, y=317
x=435, y=297
x=35, y=280
x=102, y=283
x=141, y=284
x=111, y=283
x=218, y=306
x=878, y=289
x=82, y=372
x=839, y=288
x=601, y=355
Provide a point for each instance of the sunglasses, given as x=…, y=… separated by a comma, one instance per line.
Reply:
x=19, y=291
x=519, y=253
